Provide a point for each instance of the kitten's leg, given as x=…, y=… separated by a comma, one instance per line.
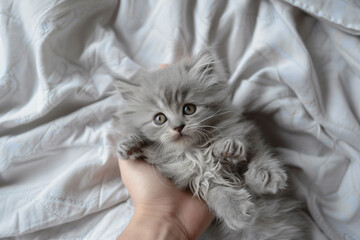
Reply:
x=265, y=173
x=130, y=147
x=229, y=147
x=231, y=205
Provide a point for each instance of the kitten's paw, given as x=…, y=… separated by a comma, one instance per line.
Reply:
x=231, y=148
x=130, y=148
x=267, y=179
x=233, y=206
x=240, y=216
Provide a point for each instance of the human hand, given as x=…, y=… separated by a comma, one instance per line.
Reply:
x=161, y=210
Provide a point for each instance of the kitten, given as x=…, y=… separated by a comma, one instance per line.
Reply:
x=181, y=120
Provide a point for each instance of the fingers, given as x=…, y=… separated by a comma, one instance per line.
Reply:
x=134, y=166
x=136, y=173
x=163, y=66
x=130, y=168
x=128, y=164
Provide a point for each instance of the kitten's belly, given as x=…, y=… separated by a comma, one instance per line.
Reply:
x=194, y=169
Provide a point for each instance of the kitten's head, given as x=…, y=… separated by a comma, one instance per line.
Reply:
x=178, y=106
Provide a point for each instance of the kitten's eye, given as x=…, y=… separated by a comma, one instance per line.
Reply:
x=189, y=109
x=160, y=119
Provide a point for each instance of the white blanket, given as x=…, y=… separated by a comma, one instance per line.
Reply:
x=294, y=65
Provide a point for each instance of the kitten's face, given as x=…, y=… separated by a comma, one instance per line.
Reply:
x=179, y=124
x=182, y=119
x=179, y=106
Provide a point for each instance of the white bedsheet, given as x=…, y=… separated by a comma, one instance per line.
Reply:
x=294, y=64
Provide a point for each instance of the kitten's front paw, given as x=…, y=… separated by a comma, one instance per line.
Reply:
x=266, y=179
x=230, y=148
x=130, y=148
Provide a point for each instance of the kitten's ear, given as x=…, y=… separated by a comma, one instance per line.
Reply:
x=127, y=88
x=206, y=67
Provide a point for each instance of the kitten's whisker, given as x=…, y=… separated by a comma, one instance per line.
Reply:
x=203, y=128
x=220, y=112
x=216, y=112
x=207, y=138
x=206, y=135
x=195, y=135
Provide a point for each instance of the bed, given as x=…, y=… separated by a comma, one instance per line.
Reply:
x=294, y=66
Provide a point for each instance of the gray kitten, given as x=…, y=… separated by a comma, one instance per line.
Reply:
x=181, y=120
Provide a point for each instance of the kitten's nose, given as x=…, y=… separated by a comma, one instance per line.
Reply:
x=179, y=128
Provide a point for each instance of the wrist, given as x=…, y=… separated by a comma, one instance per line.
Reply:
x=150, y=225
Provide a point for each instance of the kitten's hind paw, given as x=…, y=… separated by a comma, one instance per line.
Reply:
x=230, y=148
x=130, y=148
x=241, y=216
x=233, y=206
x=266, y=179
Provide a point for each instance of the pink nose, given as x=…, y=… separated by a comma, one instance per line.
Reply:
x=179, y=128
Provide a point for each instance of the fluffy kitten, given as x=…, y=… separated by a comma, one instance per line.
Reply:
x=181, y=120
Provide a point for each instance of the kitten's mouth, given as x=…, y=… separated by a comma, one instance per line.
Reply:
x=179, y=138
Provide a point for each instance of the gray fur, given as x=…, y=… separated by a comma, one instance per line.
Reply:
x=217, y=143
x=275, y=218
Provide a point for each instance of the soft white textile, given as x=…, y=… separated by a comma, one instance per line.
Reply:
x=294, y=65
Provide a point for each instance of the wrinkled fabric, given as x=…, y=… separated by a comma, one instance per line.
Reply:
x=293, y=65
